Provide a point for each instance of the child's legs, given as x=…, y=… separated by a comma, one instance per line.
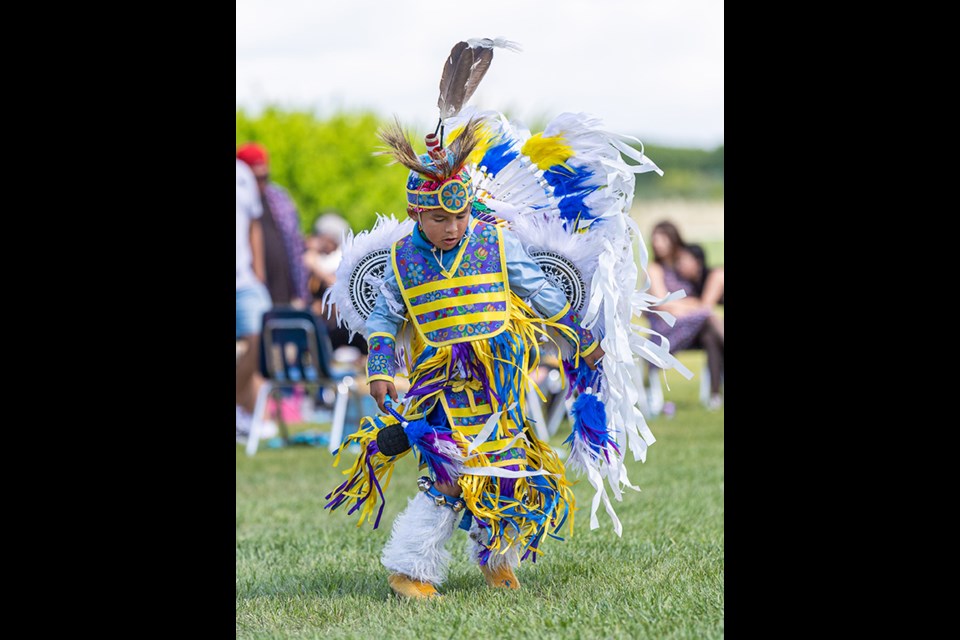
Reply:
x=497, y=566
x=416, y=545
x=478, y=538
x=453, y=490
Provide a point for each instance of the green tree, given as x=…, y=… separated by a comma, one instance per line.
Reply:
x=328, y=165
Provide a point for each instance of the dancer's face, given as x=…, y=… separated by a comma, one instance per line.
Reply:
x=443, y=230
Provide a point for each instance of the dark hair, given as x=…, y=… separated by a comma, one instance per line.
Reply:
x=697, y=252
x=670, y=230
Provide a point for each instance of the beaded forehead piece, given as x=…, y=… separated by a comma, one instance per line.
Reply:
x=437, y=179
x=452, y=195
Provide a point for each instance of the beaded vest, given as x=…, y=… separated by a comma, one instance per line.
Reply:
x=467, y=302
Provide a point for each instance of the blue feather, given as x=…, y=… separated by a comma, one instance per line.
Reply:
x=425, y=434
x=582, y=376
x=498, y=156
x=570, y=188
x=417, y=429
x=590, y=426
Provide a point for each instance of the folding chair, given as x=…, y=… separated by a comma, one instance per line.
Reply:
x=295, y=349
x=654, y=390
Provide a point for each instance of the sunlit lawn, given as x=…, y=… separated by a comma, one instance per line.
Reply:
x=303, y=572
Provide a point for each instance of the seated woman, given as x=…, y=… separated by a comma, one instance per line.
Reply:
x=696, y=326
x=707, y=281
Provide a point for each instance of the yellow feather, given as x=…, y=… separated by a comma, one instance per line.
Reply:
x=484, y=138
x=547, y=152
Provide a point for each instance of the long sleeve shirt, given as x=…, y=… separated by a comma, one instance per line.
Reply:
x=524, y=275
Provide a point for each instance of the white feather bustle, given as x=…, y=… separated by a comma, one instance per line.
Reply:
x=602, y=248
x=606, y=247
x=541, y=233
x=416, y=544
x=518, y=188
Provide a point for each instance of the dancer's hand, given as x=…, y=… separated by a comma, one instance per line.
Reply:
x=380, y=389
x=594, y=357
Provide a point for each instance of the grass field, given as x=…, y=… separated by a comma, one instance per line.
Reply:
x=303, y=572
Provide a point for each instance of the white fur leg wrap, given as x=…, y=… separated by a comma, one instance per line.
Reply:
x=496, y=560
x=416, y=544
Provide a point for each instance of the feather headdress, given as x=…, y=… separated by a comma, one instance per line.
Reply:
x=435, y=167
x=464, y=69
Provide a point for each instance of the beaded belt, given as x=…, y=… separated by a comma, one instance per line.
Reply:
x=470, y=386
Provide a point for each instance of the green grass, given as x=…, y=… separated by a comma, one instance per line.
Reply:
x=303, y=572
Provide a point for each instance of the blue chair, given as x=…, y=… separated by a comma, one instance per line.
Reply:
x=295, y=350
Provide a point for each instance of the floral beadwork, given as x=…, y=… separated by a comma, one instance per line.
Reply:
x=381, y=360
x=460, y=310
x=452, y=333
x=467, y=269
x=489, y=234
x=453, y=196
x=415, y=274
x=510, y=454
x=471, y=421
x=481, y=255
x=378, y=365
x=571, y=319
x=460, y=400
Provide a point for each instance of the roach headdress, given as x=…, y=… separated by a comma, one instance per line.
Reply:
x=437, y=178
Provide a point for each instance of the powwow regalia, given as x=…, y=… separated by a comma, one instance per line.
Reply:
x=547, y=266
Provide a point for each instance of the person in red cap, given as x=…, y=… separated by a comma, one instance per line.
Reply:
x=283, y=243
x=252, y=296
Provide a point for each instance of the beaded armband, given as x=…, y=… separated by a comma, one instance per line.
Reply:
x=571, y=320
x=381, y=358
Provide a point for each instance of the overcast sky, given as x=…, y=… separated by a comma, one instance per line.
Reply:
x=653, y=69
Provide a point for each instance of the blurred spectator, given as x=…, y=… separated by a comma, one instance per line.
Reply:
x=286, y=277
x=252, y=297
x=323, y=253
x=322, y=258
x=696, y=326
x=708, y=282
